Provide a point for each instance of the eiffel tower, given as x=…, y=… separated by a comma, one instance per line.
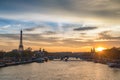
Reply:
x=21, y=42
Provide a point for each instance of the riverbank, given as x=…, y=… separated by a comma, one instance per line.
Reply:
x=38, y=60
x=113, y=63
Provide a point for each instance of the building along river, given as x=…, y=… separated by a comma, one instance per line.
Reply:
x=60, y=70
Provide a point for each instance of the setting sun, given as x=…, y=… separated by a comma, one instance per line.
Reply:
x=100, y=48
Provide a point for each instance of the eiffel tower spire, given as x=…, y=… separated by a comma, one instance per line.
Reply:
x=21, y=43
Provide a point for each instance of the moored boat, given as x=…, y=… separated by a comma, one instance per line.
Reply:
x=117, y=65
x=40, y=60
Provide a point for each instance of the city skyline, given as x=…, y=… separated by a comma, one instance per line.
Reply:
x=60, y=25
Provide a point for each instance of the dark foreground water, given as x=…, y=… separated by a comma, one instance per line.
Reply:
x=60, y=70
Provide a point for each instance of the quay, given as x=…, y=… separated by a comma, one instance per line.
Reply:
x=38, y=60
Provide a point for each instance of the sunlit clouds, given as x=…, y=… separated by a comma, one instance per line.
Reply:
x=60, y=25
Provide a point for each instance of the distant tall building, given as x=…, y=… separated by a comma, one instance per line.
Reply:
x=21, y=42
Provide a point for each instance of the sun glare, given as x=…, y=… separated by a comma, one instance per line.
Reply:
x=100, y=48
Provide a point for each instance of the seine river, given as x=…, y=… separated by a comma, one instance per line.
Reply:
x=60, y=70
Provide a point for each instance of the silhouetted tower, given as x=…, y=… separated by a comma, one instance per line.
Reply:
x=21, y=42
x=40, y=50
x=93, y=50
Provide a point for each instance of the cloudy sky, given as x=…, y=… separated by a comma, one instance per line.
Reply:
x=60, y=25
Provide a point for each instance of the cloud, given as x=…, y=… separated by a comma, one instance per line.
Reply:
x=38, y=40
x=43, y=26
x=55, y=10
x=9, y=36
x=49, y=33
x=33, y=28
x=5, y=27
x=107, y=35
x=83, y=34
x=29, y=37
x=84, y=28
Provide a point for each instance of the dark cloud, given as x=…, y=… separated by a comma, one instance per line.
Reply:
x=107, y=35
x=49, y=33
x=34, y=28
x=84, y=28
x=83, y=34
x=31, y=29
x=104, y=34
x=96, y=8
x=9, y=36
x=41, y=38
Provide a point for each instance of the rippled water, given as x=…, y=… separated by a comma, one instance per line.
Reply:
x=60, y=70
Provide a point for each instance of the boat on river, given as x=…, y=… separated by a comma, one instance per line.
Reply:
x=2, y=65
x=117, y=65
x=39, y=60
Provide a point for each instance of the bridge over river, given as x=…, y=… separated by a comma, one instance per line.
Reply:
x=66, y=55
